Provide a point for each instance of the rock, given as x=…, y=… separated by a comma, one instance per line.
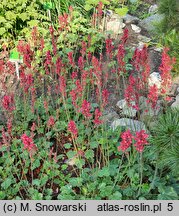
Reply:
x=149, y=22
x=174, y=90
x=153, y=9
x=125, y=109
x=176, y=103
x=143, y=39
x=155, y=78
x=131, y=124
x=158, y=49
x=177, y=90
x=147, y=110
x=154, y=59
x=129, y=19
x=116, y=26
x=108, y=118
x=136, y=28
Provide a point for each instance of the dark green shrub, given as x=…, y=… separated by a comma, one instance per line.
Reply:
x=165, y=139
x=170, y=8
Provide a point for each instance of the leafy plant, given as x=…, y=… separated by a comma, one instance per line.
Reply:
x=18, y=18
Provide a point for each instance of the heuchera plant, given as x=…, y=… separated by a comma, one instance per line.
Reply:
x=57, y=114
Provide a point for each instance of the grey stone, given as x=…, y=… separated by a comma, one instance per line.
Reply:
x=176, y=103
x=143, y=39
x=154, y=59
x=155, y=78
x=108, y=118
x=153, y=9
x=116, y=26
x=131, y=124
x=147, y=110
x=149, y=22
x=129, y=19
x=135, y=28
x=125, y=109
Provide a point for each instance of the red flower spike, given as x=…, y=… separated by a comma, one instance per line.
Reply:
x=126, y=141
x=51, y=122
x=28, y=142
x=141, y=140
x=72, y=128
x=153, y=96
x=97, y=120
x=8, y=102
x=85, y=109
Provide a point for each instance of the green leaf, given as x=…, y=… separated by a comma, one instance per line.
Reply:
x=44, y=180
x=76, y=182
x=88, y=7
x=67, y=145
x=80, y=163
x=10, y=15
x=36, y=164
x=6, y=183
x=89, y=154
x=104, y=172
x=167, y=193
x=121, y=11
x=33, y=23
x=115, y=196
x=23, y=16
x=2, y=19
x=48, y=5
x=106, y=191
x=71, y=154
x=94, y=144
x=2, y=30
x=36, y=182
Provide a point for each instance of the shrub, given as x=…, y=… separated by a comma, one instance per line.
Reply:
x=165, y=139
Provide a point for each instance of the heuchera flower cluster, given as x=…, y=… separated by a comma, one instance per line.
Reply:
x=85, y=109
x=165, y=68
x=127, y=139
x=26, y=81
x=51, y=122
x=153, y=96
x=97, y=120
x=28, y=142
x=8, y=102
x=72, y=128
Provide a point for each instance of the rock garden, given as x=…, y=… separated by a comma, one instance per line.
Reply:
x=89, y=95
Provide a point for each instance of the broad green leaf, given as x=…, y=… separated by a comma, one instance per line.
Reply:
x=92, y=2
x=6, y=183
x=23, y=16
x=94, y=144
x=104, y=172
x=67, y=145
x=2, y=31
x=33, y=23
x=2, y=19
x=89, y=154
x=105, y=2
x=10, y=15
x=36, y=182
x=115, y=196
x=88, y=7
x=76, y=182
x=121, y=11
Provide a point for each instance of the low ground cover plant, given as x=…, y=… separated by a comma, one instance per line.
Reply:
x=55, y=143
